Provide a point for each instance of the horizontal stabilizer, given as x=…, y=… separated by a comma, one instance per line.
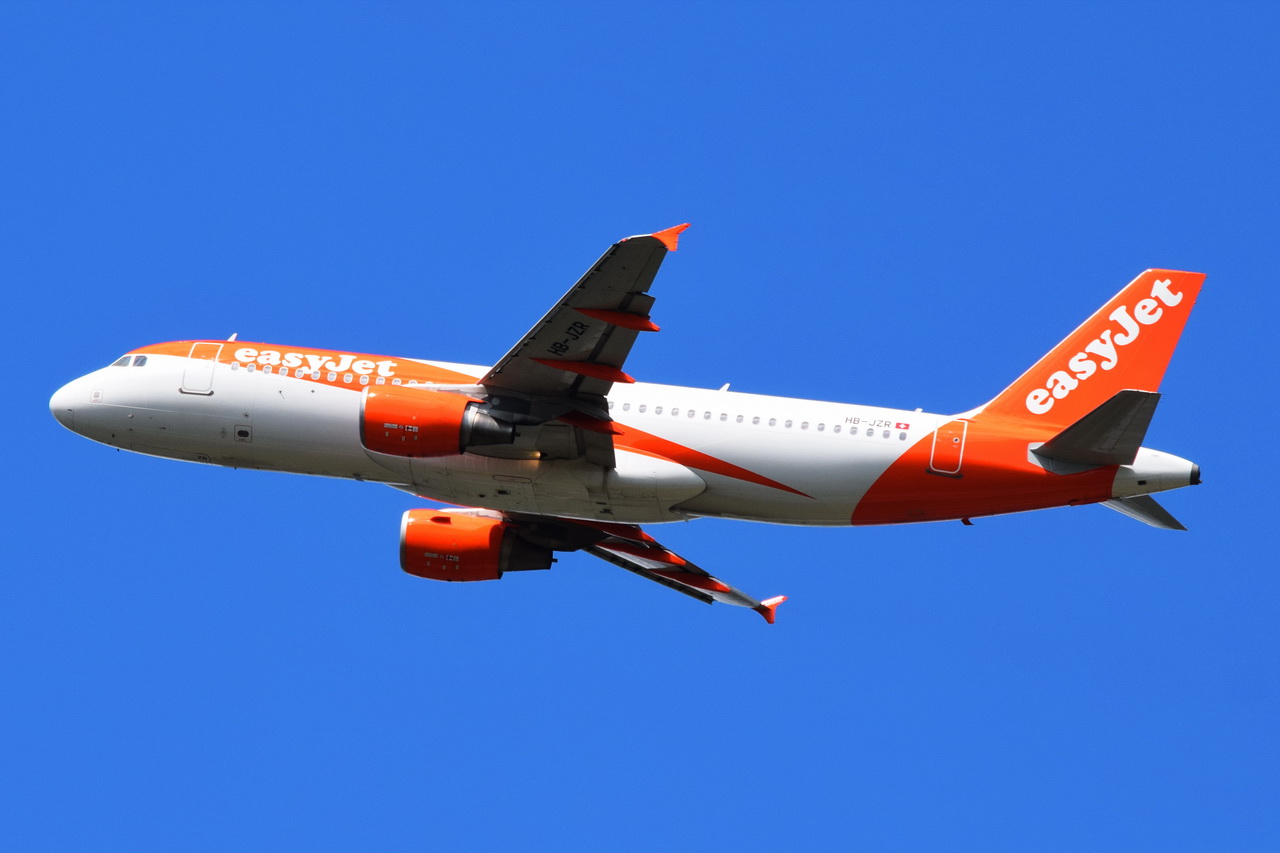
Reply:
x=1145, y=509
x=1111, y=434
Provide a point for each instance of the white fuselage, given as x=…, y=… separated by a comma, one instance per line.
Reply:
x=825, y=454
x=683, y=452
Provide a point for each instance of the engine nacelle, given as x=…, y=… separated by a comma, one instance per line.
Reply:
x=403, y=421
x=447, y=547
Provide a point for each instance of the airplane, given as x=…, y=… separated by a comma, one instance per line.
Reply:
x=554, y=448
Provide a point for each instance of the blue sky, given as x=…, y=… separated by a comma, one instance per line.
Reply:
x=897, y=204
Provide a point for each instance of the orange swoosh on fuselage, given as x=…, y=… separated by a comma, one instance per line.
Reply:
x=640, y=441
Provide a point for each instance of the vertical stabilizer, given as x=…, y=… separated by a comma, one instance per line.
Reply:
x=1126, y=344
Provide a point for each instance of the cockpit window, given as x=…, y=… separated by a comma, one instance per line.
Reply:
x=123, y=361
x=140, y=361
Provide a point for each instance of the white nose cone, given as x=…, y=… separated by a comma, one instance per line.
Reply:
x=1153, y=471
x=62, y=405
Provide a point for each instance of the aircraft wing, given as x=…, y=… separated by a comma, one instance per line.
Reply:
x=575, y=353
x=629, y=547
x=648, y=559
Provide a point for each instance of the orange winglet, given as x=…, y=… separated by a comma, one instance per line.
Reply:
x=581, y=421
x=670, y=236
x=620, y=318
x=607, y=372
x=769, y=607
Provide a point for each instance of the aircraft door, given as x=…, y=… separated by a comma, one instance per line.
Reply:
x=197, y=376
x=948, y=448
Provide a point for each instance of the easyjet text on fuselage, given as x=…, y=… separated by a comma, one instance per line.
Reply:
x=342, y=363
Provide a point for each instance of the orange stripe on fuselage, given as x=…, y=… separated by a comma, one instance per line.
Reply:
x=995, y=477
x=640, y=441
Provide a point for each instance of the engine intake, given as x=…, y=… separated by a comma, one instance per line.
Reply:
x=447, y=547
x=419, y=422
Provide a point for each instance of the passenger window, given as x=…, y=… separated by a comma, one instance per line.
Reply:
x=692, y=413
x=755, y=421
x=381, y=380
x=835, y=428
x=364, y=380
x=787, y=425
x=395, y=381
x=657, y=410
x=626, y=407
x=740, y=419
x=773, y=421
x=724, y=416
x=821, y=427
x=804, y=425
x=902, y=436
x=140, y=361
x=642, y=408
x=251, y=367
x=332, y=376
x=266, y=369
x=886, y=434
x=706, y=416
x=347, y=377
x=870, y=432
x=675, y=412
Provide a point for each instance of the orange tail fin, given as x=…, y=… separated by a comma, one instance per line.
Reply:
x=1125, y=345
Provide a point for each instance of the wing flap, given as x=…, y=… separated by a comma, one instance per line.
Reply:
x=630, y=565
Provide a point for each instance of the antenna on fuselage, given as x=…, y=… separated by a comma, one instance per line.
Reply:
x=233, y=336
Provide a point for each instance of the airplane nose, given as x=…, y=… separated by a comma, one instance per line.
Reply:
x=62, y=406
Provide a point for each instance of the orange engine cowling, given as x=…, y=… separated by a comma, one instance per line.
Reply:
x=403, y=421
x=447, y=547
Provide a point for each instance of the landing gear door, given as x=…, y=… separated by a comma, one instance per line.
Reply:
x=197, y=376
x=948, y=448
